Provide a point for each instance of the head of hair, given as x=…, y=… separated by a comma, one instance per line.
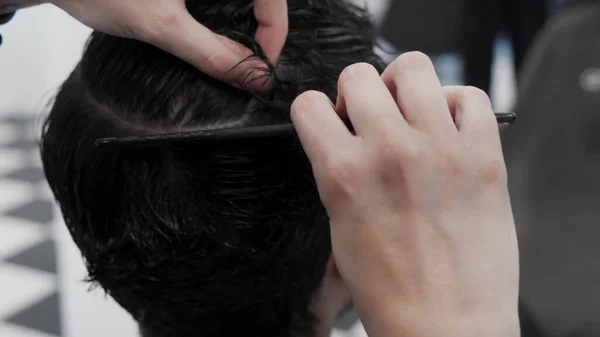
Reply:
x=200, y=239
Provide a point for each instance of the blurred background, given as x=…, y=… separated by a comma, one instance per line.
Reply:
x=538, y=58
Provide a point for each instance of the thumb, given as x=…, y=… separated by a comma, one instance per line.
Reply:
x=272, y=17
x=213, y=54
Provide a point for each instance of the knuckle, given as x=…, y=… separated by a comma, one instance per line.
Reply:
x=356, y=71
x=411, y=61
x=477, y=95
x=452, y=162
x=493, y=171
x=340, y=172
x=396, y=156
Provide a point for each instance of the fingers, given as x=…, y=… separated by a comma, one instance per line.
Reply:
x=321, y=131
x=364, y=97
x=272, y=17
x=473, y=114
x=419, y=95
x=219, y=56
x=213, y=54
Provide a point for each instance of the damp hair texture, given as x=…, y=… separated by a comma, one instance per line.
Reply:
x=197, y=239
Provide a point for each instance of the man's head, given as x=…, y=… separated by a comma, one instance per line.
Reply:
x=201, y=239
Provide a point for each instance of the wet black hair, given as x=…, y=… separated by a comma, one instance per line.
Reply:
x=191, y=238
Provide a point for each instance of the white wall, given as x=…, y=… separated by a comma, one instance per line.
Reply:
x=41, y=47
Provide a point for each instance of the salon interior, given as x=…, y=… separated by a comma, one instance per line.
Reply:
x=539, y=59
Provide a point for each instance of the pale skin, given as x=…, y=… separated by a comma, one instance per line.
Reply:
x=168, y=25
x=422, y=231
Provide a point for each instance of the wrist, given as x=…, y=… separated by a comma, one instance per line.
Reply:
x=418, y=322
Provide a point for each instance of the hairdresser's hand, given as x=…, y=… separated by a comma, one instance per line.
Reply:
x=421, y=222
x=168, y=25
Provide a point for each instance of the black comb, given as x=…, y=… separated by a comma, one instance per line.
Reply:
x=244, y=133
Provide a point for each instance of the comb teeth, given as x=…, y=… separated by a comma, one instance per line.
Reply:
x=244, y=133
x=254, y=132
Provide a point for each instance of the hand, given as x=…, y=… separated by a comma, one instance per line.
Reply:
x=421, y=223
x=168, y=25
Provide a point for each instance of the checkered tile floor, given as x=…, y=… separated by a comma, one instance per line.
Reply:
x=29, y=299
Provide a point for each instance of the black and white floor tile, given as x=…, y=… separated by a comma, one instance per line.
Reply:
x=29, y=298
